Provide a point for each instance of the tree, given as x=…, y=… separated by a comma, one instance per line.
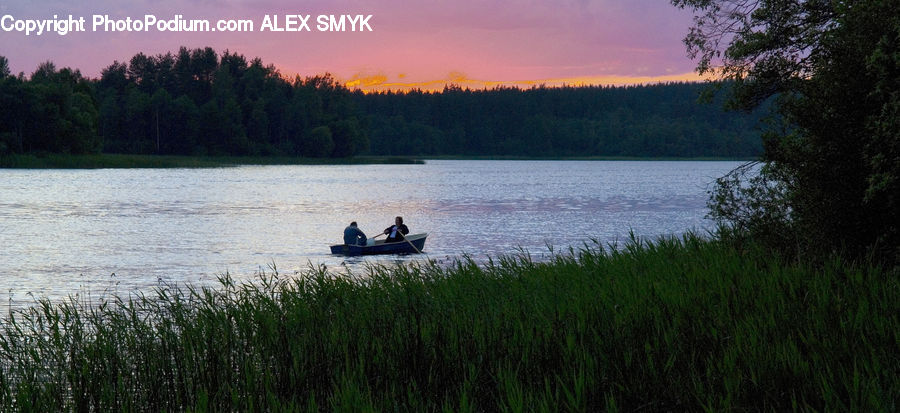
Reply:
x=184, y=126
x=832, y=161
x=203, y=65
x=195, y=103
x=46, y=72
x=161, y=102
x=82, y=124
x=258, y=123
x=4, y=67
x=348, y=138
x=142, y=70
x=13, y=115
x=139, y=135
x=227, y=125
x=165, y=72
x=319, y=144
x=114, y=77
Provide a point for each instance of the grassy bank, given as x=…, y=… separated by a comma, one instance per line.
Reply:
x=675, y=325
x=63, y=161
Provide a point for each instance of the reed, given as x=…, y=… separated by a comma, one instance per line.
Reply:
x=675, y=324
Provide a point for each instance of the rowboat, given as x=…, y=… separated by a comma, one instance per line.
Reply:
x=380, y=247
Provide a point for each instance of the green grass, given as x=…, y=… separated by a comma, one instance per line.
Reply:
x=678, y=324
x=65, y=161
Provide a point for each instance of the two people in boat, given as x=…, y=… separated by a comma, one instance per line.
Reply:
x=354, y=236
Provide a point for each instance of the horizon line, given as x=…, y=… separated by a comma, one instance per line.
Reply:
x=380, y=83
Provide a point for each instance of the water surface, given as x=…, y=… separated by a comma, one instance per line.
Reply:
x=66, y=232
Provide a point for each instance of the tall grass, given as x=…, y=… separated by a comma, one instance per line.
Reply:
x=678, y=324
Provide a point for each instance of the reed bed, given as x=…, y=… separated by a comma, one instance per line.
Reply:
x=675, y=324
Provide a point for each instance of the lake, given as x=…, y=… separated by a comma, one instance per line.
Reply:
x=97, y=232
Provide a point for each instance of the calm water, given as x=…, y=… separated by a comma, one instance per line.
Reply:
x=68, y=232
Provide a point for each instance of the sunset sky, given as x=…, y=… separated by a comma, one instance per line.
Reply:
x=425, y=44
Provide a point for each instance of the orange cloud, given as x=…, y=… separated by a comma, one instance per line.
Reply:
x=379, y=82
x=362, y=82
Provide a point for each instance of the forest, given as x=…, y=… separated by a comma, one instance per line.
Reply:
x=199, y=102
x=665, y=120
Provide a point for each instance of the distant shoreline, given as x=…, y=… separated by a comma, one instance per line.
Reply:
x=583, y=158
x=123, y=161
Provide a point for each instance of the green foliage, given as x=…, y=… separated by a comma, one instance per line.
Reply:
x=675, y=325
x=747, y=202
x=320, y=143
x=4, y=67
x=55, y=111
x=834, y=69
x=196, y=102
x=191, y=103
x=13, y=118
x=348, y=137
x=138, y=122
x=224, y=106
x=647, y=121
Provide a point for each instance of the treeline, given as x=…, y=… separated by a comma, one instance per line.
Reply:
x=192, y=103
x=55, y=111
x=658, y=120
x=197, y=102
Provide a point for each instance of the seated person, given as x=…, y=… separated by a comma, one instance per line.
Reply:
x=353, y=235
x=397, y=231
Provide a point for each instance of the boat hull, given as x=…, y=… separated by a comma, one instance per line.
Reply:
x=380, y=247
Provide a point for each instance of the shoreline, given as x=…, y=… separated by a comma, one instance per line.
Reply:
x=584, y=158
x=127, y=161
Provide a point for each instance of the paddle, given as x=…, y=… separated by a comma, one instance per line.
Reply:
x=404, y=238
x=410, y=242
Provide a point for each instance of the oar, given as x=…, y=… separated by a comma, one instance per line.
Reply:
x=373, y=240
x=410, y=242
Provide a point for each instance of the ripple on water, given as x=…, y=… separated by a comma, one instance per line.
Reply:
x=66, y=232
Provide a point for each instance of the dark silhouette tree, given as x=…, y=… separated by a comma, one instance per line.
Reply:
x=196, y=102
x=831, y=167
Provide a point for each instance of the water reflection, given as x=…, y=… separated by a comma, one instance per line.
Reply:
x=65, y=232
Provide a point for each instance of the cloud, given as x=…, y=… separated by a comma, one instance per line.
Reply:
x=365, y=81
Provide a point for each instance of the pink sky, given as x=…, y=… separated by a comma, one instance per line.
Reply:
x=422, y=43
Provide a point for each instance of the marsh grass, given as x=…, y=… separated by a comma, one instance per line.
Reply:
x=677, y=324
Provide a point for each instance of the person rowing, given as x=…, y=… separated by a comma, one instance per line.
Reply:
x=397, y=231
